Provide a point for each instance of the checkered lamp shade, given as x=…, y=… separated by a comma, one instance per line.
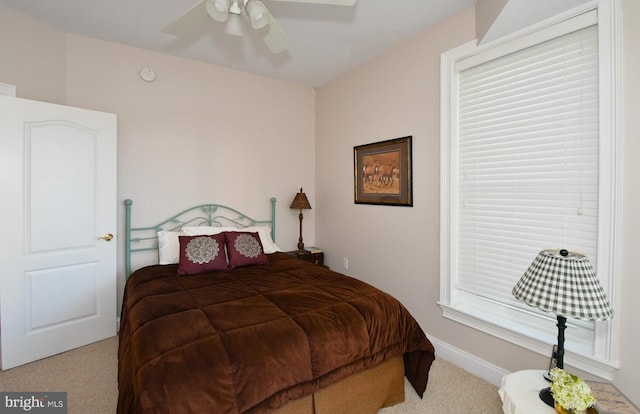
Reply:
x=564, y=284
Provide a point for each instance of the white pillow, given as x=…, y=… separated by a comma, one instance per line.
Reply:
x=168, y=247
x=204, y=230
x=265, y=238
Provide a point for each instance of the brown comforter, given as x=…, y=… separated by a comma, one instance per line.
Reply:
x=251, y=339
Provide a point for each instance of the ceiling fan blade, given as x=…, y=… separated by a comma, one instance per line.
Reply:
x=190, y=18
x=275, y=38
x=335, y=2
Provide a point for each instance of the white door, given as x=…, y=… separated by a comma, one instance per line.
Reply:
x=58, y=189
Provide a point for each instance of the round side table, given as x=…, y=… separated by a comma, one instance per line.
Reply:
x=519, y=393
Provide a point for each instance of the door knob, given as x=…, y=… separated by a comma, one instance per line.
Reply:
x=107, y=237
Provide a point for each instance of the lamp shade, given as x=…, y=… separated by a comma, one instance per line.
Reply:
x=563, y=283
x=218, y=9
x=300, y=201
x=258, y=14
x=234, y=25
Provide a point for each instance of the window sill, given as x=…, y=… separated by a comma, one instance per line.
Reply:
x=539, y=342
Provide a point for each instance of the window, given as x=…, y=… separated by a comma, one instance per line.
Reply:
x=528, y=163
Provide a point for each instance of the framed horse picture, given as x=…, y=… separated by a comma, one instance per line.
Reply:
x=382, y=173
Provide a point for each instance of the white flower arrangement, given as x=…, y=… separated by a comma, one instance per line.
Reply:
x=570, y=391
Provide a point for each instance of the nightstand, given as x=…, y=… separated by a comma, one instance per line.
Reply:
x=315, y=258
x=519, y=393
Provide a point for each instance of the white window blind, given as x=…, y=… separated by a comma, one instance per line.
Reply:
x=527, y=160
x=530, y=149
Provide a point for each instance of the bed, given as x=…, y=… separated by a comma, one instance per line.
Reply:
x=228, y=323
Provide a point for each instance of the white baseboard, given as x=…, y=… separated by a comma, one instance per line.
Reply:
x=469, y=362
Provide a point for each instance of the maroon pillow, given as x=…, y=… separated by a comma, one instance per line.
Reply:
x=244, y=249
x=201, y=254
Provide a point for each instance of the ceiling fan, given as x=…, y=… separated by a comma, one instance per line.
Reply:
x=234, y=11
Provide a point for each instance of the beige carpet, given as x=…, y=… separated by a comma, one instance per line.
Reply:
x=88, y=375
x=451, y=390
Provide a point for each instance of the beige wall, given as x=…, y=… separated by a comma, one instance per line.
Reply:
x=397, y=248
x=32, y=56
x=487, y=11
x=199, y=133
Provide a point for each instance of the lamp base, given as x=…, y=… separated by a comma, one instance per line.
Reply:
x=547, y=397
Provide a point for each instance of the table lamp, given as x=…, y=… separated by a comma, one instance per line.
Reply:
x=563, y=283
x=300, y=202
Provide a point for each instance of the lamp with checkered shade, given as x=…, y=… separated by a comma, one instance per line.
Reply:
x=565, y=284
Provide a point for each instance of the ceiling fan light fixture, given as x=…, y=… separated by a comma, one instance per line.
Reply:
x=218, y=9
x=258, y=14
x=234, y=25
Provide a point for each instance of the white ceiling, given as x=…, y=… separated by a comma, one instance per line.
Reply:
x=327, y=40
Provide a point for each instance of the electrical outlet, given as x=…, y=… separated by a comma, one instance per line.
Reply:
x=345, y=263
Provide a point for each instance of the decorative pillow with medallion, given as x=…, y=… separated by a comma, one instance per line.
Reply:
x=201, y=254
x=244, y=249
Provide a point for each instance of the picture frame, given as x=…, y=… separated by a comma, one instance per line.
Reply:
x=383, y=173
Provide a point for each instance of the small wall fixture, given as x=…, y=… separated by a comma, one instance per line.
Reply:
x=147, y=75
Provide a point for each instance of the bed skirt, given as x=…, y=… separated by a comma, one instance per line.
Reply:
x=362, y=393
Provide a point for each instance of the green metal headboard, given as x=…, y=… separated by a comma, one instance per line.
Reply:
x=140, y=239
